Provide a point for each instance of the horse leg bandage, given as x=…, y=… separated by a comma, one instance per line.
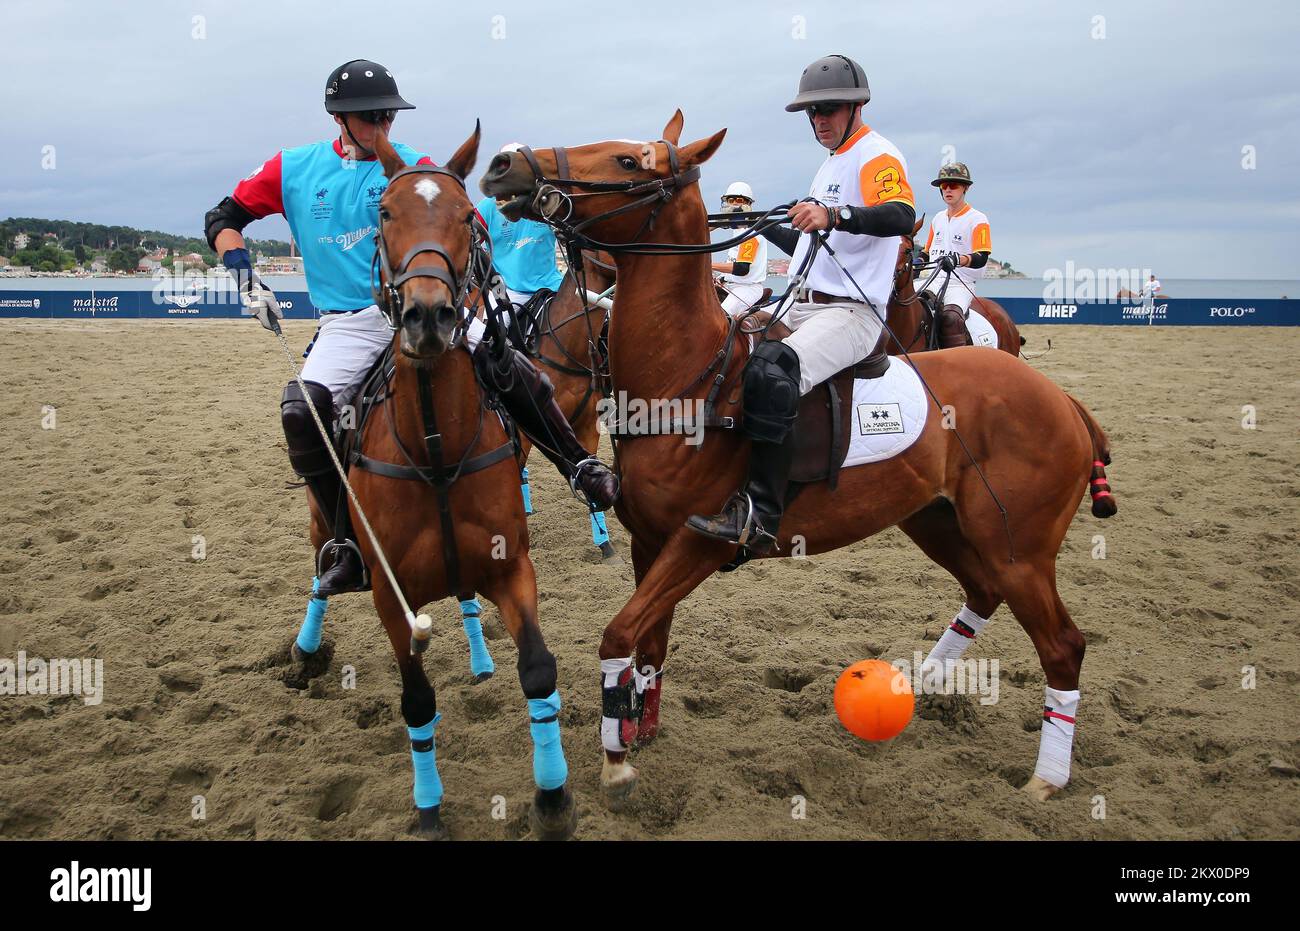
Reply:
x=428, y=784
x=649, y=690
x=480, y=660
x=310, y=633
x=550, y=771
x=963, y=630
x=599, y=530
x=620, y=704
x=526, y=490
x=1057, y=740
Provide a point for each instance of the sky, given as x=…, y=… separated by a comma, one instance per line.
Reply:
x=1152, y=135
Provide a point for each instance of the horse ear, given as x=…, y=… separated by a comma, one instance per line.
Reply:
x=673, y=130
x=700, y=151
x=919, y=223
x=462, y=163
x=388, y=156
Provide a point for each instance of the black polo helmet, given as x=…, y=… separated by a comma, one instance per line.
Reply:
x=362, y=85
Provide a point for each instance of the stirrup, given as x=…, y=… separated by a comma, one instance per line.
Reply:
x=329, y=546
x=752, y=531
x=577, y=473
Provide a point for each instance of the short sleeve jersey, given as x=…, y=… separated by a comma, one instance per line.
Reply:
x=866, y=171
x=332, y=205
x=962, y=234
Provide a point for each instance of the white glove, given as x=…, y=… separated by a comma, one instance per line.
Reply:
x=261, y=303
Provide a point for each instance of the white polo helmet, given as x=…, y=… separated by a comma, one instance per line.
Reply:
x=740, y=189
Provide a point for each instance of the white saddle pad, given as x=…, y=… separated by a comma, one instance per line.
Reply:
x=981, y=331
x=888, y=414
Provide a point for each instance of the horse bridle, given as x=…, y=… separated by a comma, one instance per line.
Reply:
x=549, y=199
x=387, y=292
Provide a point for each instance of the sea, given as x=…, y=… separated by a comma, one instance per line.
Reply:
x=1214, y=288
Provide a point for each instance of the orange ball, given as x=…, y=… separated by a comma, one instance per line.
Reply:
x=873, y=700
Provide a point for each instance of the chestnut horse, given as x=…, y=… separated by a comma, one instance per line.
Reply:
x=910, y=324
x=1036, y=447
x=426, y=220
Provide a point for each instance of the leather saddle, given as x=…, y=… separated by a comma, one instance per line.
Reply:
x=822, y=429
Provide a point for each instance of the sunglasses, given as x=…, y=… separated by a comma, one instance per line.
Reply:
x=735, y=199
x=825, y=109
x=376, y=116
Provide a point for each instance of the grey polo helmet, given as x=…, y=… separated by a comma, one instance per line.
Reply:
x=833, y=79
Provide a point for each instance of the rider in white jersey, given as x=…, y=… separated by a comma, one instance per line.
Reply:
x=742, y=276
x=961, y=242
x=329, y=192
x=861, y=199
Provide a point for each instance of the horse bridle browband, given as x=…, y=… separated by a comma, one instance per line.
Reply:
x=387, y=292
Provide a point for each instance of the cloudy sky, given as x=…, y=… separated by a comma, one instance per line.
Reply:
x=1105, y=133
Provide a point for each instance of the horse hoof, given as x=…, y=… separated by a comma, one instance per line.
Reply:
x=1039, y=789
x=553, y=815
x=431, y=826
x=617, y=783
x=609, y=556
x=481, y=677
x=307, y=666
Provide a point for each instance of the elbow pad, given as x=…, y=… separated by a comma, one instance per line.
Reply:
x=740, y=269
x=227, y=215
x=978, y=259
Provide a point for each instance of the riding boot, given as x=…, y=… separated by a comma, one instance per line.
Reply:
x=311, y=460
x=529, y=399
x=752, y=516
x=952, y=328
x=346, y=572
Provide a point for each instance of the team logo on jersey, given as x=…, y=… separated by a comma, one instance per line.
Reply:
x=373, y=192
x=348, y=240
x=320, y=195
x=832, y=189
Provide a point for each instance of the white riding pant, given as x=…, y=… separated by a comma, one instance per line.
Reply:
x=828, y=338
x=740, y=297
x=347, y=345
x=957, y=294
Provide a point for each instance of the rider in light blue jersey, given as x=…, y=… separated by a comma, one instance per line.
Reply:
x=329, y=192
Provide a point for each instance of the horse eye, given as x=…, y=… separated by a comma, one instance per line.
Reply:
x=627, y=162
x=384, y=214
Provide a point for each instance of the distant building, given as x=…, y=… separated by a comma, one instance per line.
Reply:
x=98, y=266
x=280, y=264
x=148, y=264
x=21, y=241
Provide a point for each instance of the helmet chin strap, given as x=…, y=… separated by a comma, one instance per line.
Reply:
x=361, y=150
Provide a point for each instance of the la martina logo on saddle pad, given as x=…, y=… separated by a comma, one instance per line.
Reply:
x=874, y=419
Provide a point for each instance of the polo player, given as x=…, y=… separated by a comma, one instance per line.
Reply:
x=329, y=192
x=960, y=239
x=743, y=274
x=861, y=199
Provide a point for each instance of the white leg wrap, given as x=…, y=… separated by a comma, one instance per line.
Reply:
x=1059, y=710
x=953, y=643
x=611, y=670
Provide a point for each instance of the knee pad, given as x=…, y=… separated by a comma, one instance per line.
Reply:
x=307, y=451
x=771, y=392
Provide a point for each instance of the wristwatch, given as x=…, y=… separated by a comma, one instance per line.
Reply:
x=845, y=215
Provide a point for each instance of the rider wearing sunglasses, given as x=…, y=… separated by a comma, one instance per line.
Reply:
x=861, y=199
x=741, y=277
x=329, y=192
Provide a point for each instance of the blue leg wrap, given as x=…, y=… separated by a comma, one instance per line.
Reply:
x=428, y=785
x=527, y=492
x=480, y=660
x=310, y=632
x=599, y=532
x=549, y=767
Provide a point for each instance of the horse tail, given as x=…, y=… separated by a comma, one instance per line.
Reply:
x=1103, y=501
